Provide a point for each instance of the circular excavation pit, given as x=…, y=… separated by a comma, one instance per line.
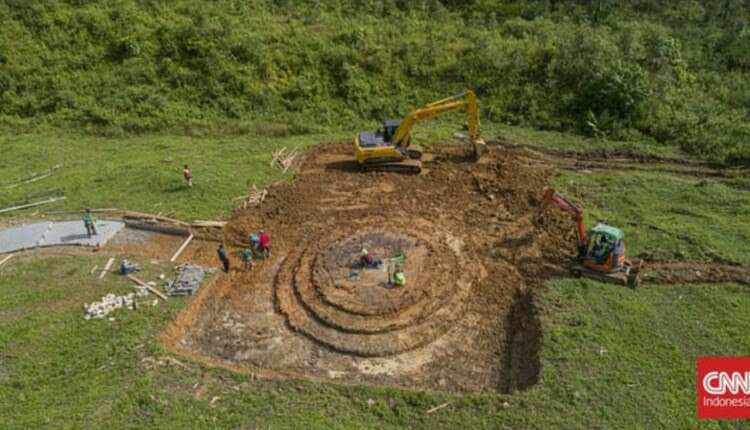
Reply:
x=325, y=295
x=464, y=322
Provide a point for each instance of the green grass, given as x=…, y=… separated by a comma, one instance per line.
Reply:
x=59, y=371
x=669, y=71
x=694, y=218
x=578, y=143
x=144, y=173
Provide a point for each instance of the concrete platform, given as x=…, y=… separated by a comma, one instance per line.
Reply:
x=50, y=233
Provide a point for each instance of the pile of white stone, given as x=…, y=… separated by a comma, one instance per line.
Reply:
x=110, y=302
x=189, y=279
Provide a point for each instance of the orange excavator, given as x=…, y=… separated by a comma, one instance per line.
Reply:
x=601, y=251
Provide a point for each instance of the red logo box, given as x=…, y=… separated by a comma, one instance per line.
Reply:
x=723, y=387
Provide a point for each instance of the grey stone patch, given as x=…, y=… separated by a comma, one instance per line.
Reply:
x=110, y=302
x=189, y=279
x=49, y=233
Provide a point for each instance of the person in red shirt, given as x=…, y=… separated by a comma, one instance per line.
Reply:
x=188, y=179
x=265, y=244
x=366, y=259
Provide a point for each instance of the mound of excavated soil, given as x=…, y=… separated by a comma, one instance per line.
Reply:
x=464, y=322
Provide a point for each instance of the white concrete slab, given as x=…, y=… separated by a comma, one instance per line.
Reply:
x=56, y=233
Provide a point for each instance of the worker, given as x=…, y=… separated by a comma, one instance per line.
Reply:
x=188, y=178
x=399, y=277
x=600, y=248
x=265, y=244
x=254, y=240
x=247, y=256
x=88, y=221
x=367, y=260
x=223, y=257
x=127, y=267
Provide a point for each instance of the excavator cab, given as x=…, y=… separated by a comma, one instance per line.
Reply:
x=389, y=129
x=605, y=249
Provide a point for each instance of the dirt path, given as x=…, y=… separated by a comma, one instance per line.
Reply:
x=694, y=272
x=620, y=161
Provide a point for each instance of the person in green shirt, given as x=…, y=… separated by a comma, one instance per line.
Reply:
x=247, y=256
x=399, y=277
x=88, y=221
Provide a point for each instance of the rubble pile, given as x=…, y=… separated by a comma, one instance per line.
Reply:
x=110, y=302
x=189, y=279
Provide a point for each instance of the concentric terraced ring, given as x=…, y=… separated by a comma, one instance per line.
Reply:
x=325, y=295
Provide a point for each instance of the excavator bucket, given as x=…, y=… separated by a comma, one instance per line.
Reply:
x=480, y=148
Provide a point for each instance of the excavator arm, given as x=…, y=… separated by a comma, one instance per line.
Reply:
x=552, y=196
x=466, y=101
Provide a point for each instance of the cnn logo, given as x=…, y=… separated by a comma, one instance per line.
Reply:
x=723, y=387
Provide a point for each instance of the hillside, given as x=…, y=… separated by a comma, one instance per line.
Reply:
x=666, y=72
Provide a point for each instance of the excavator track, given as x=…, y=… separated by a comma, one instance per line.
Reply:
x=406, y=166
x=415, y=152
x=630, y=276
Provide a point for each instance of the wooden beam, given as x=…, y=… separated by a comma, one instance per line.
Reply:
x=94, y=269
x=6, y=259
x=147, y=286
x=36, y=176
x=31, y=205
x=109, y=264
x=181, y=248
x=199, y=223
x=81, y=211
x=142, y=215
x=437, y=408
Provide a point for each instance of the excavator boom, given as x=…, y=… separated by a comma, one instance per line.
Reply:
x=552, y=196
x=466, y=101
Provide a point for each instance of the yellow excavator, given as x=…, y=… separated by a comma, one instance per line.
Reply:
x=390, y=149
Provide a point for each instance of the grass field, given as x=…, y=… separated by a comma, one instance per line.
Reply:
x=611, y=357
x=145, y=173
x=669, y=216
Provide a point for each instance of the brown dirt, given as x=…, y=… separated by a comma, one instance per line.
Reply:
x=465, y=322
x=472, y=259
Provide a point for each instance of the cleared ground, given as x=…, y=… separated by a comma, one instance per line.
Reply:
x=465, y=322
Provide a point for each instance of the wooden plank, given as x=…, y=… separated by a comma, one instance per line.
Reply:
x=42, y=193
x=36, y=176
x=181, y=248
x=81, y=211
x=94, y=269
x=142, y=215
x=6, y=259
x=437, y=408
x=109, y=264
x=147, y=286
x=175, y=231
x=199, y=223
x=31, y=205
